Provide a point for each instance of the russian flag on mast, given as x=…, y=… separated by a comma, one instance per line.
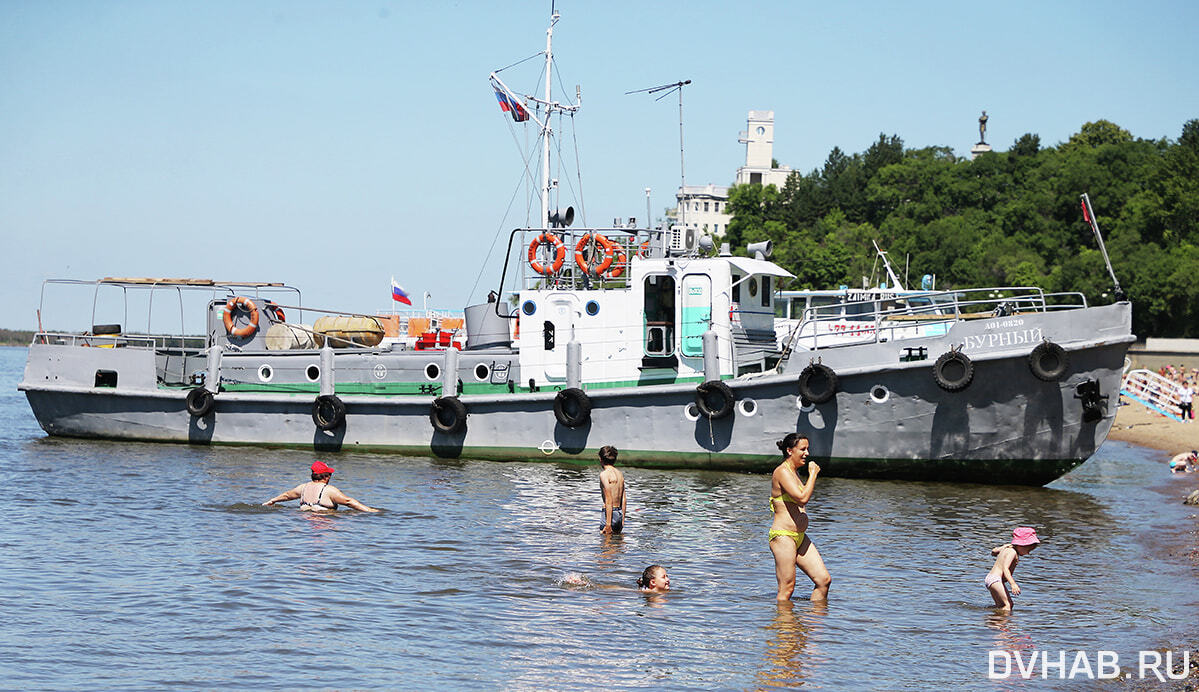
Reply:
x=398, y=293
x=511, y=105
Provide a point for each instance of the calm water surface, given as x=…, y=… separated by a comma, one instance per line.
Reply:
x=139, y=566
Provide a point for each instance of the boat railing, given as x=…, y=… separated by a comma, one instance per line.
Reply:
x=920, y=314
x=95, y=340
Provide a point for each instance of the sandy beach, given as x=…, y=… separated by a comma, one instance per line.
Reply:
x=1141, y=426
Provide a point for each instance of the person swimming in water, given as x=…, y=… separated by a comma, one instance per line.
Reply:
x=1024, y=540
x=317, y=495
x=654, y=580
x=788, y=539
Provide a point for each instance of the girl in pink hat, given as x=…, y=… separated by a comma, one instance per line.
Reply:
x=1024, y=539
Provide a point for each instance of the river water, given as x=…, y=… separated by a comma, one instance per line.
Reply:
x=153, y=566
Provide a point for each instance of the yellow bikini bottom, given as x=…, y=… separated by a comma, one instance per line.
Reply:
x=797, y=536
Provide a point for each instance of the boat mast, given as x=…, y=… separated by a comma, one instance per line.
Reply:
x=546, y=131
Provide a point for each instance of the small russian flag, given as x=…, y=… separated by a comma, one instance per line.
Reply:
x=397, y=293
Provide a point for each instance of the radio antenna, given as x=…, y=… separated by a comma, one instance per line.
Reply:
x=666, y=90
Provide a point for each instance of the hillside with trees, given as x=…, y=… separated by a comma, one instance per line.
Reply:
x=1004, y=219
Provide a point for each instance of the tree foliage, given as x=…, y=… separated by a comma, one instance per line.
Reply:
x=1004, y=219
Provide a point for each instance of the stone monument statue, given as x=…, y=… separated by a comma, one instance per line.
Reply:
x=982, y=128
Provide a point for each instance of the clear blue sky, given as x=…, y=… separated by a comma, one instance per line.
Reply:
x=332, y=145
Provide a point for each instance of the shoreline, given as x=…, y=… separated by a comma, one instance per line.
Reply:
x=1139, y=425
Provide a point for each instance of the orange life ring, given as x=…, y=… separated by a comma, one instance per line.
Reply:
x=245, y=304
x=619, y=265
x=643, y=251
x=559, y=254
x=608, y=247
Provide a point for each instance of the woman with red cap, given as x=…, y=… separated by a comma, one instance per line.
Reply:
x=318, y=495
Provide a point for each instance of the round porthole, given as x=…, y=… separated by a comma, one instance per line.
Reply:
x=879, y=394
x=804, y=405
x=691, y=412
x=592, y=308
x=313, y=373
x=432, y=371
x=753, y=288
x=482, y=372
x=529, y=307
x=265, y=373
x=747, y=407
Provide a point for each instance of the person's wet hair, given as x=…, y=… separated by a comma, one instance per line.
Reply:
x=607, y=454
x=787, y=443
x=648, y=575
x=321, y=476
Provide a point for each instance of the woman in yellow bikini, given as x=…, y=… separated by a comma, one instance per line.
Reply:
x=788, y=501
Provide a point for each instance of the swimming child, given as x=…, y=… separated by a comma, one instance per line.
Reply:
x=654, y=580
x=1024, y=539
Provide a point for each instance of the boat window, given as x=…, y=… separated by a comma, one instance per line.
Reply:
x=753, y=287
x=860, y=312
x=826, y=306
x=765, y=291
x=736, y=288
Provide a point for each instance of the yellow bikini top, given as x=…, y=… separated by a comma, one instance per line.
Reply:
x=784, y=497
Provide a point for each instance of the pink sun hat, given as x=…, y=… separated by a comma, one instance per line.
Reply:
x=1024, y=535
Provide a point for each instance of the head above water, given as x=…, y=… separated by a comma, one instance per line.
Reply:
x=1025, y=535
x=321, y=471
x=788, y=443
x=607, y=455
x=654, y=578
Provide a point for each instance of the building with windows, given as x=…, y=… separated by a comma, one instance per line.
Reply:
x=705, y=207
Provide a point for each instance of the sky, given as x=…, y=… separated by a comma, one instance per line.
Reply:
x=334, y=145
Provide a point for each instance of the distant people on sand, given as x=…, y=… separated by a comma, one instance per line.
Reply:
x=1024, y=540
x=654, y=580
x=1184, y=462
x=789, y=542
x=612, y=491
x=317, y=495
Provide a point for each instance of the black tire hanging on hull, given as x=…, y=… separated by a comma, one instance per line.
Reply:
x=572, y=407
x=328, y=412
x=448, y=415
x=714, y=399
x=953, y=371
x=200, y=402
x=1048, y=361
x=817, y=383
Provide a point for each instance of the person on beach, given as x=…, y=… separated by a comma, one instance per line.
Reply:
x=788, y=539
x=612, y=491
x=1185, y=397
x=317, y=495
x=654, y=580
x=1184, y=462
x=1024, y=539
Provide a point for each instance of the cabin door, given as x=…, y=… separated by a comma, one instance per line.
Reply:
x=695, y=314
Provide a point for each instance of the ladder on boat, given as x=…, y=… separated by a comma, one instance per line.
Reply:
x=1152, y=390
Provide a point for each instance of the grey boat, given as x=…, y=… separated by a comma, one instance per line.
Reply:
x=646, y=339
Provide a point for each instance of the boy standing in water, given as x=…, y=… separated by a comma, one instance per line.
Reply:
x=1024, y=539
x=612, y=491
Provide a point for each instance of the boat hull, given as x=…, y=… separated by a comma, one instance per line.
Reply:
x=888, y=419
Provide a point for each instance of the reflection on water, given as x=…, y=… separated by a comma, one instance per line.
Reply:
x=182, y=579
x=786, y=643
